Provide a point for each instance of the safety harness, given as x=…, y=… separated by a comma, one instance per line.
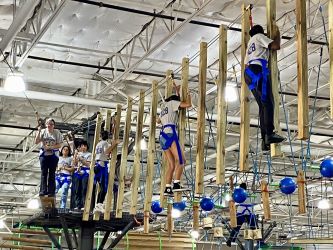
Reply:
x=63, y=178
x=101, y=171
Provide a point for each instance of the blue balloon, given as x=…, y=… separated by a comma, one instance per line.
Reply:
x=239, y=195
x=288, y=185
x=207, y=204
x=156, y=207
x=179, y=205
x=326, y=167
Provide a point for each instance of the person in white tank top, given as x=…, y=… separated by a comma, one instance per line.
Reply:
x=169, y=139
x=257, y=78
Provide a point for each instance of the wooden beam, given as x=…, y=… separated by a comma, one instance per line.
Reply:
x=10, y=246
x=28, y=240
x=232, y=205
x=112, y=164
x=274, y=73
x=88, y=198
x=221, y=107
x=137, y=156
x=146, y=222
x=265, y=200
x=312, y=241
x=201, y=121
x=32, y=232
x=169, y=219
x=301, y=192
x=330, y=40
x=302, y=71
x=151, y=148
x=107, y=128
x=123, y=163
x=196, y=215
x=245, y=92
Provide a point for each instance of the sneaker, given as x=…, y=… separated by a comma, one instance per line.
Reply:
x=168, y=191
x=177, y=187
x=264, y=146
x=274, y=138
x=228, y=243
x=99, y=208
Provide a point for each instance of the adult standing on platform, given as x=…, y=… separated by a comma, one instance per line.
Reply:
x=50, y=140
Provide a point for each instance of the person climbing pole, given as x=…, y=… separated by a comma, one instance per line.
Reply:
x=169, y=140
x=257, y=78
x=50, y=140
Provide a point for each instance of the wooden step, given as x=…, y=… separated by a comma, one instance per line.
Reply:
x=29, y=240
x=19, y=247
x=32, y=231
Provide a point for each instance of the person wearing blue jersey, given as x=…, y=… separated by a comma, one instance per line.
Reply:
x=169, y=140
x=257, y=78
x=50, y=140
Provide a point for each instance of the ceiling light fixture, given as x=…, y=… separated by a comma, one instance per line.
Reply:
x=324, y=204
x=2, y=224
x=14, y=81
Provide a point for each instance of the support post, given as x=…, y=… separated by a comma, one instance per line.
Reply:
x=232, y=205
x=169, y=219
x=274, y=72
x=196, y=215
x=330, y=27
x=151, y=150
x=87, y=231
x=137, y=156
x=52, y=237
x=265, y=200
x=302, y=71
x=66, y=233
x=245, y=100
x=123, y=163
x=221, y=107
x=88, y=198
x=112, y=164
x=201, y=121
x=301, y=192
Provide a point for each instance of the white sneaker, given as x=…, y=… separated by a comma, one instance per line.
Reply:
x=99, y=208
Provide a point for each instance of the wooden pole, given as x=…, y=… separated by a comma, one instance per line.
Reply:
x=28, y=240
x=274, y=72
x=112, y=164
x=88, y=198
x=232, y=205
x=301, y=192
x=146, y=222
x=151, y=149
x=123, y=163
x=107, y=128
x=245, y=100
x=330, y=26
x=169, y=219
x=196, y=215
x=302, y=71
x=221, y=108
x=201, y=119
x=137, y=156
x=265, y=200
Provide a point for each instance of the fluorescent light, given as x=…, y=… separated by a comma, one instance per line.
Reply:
x=194, y=234
x=33, y=204
x=14, y=82
x=231, y=94
x=324, y=204
x=175, y=213
x=2, y=224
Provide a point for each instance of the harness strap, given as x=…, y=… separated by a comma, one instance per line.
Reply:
x=170, y=140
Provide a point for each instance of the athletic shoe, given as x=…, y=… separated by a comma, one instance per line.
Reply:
x=177, y=187
x=168, y=191
x=274, y=138
x=99, y=208
x=264, y=146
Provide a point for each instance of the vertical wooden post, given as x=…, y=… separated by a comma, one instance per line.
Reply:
x=123, y=163
x=274, y=72
x=151, y=149
x=245, y=100
x=196, y=215
x=107, y=128
x=112, y=168
x=302, y=71
x=221, y=108
x=301, y=192
x=87, y=203
x=232, y=205
x=330, y=26
x=137, y=156
x=169, y=219
x=164, y=165
x=265, y=200
x=201, y=121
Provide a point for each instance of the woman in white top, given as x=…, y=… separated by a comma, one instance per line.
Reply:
x=169, y=139
x=64, y=177
x=50, y=140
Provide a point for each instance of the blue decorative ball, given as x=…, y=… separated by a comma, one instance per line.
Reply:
x=239, y=195
x=207, y=204
x=288, y=185
x=156, y=207
x=179, y=205
x=326, y=167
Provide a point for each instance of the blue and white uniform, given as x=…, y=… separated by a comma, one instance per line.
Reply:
x=63, y=179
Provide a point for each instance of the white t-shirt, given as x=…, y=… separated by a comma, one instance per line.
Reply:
x=257, y=48
x=169, y=114
x=100, y=151
x=50, y=139
x=65, y=162
x=87, y=157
